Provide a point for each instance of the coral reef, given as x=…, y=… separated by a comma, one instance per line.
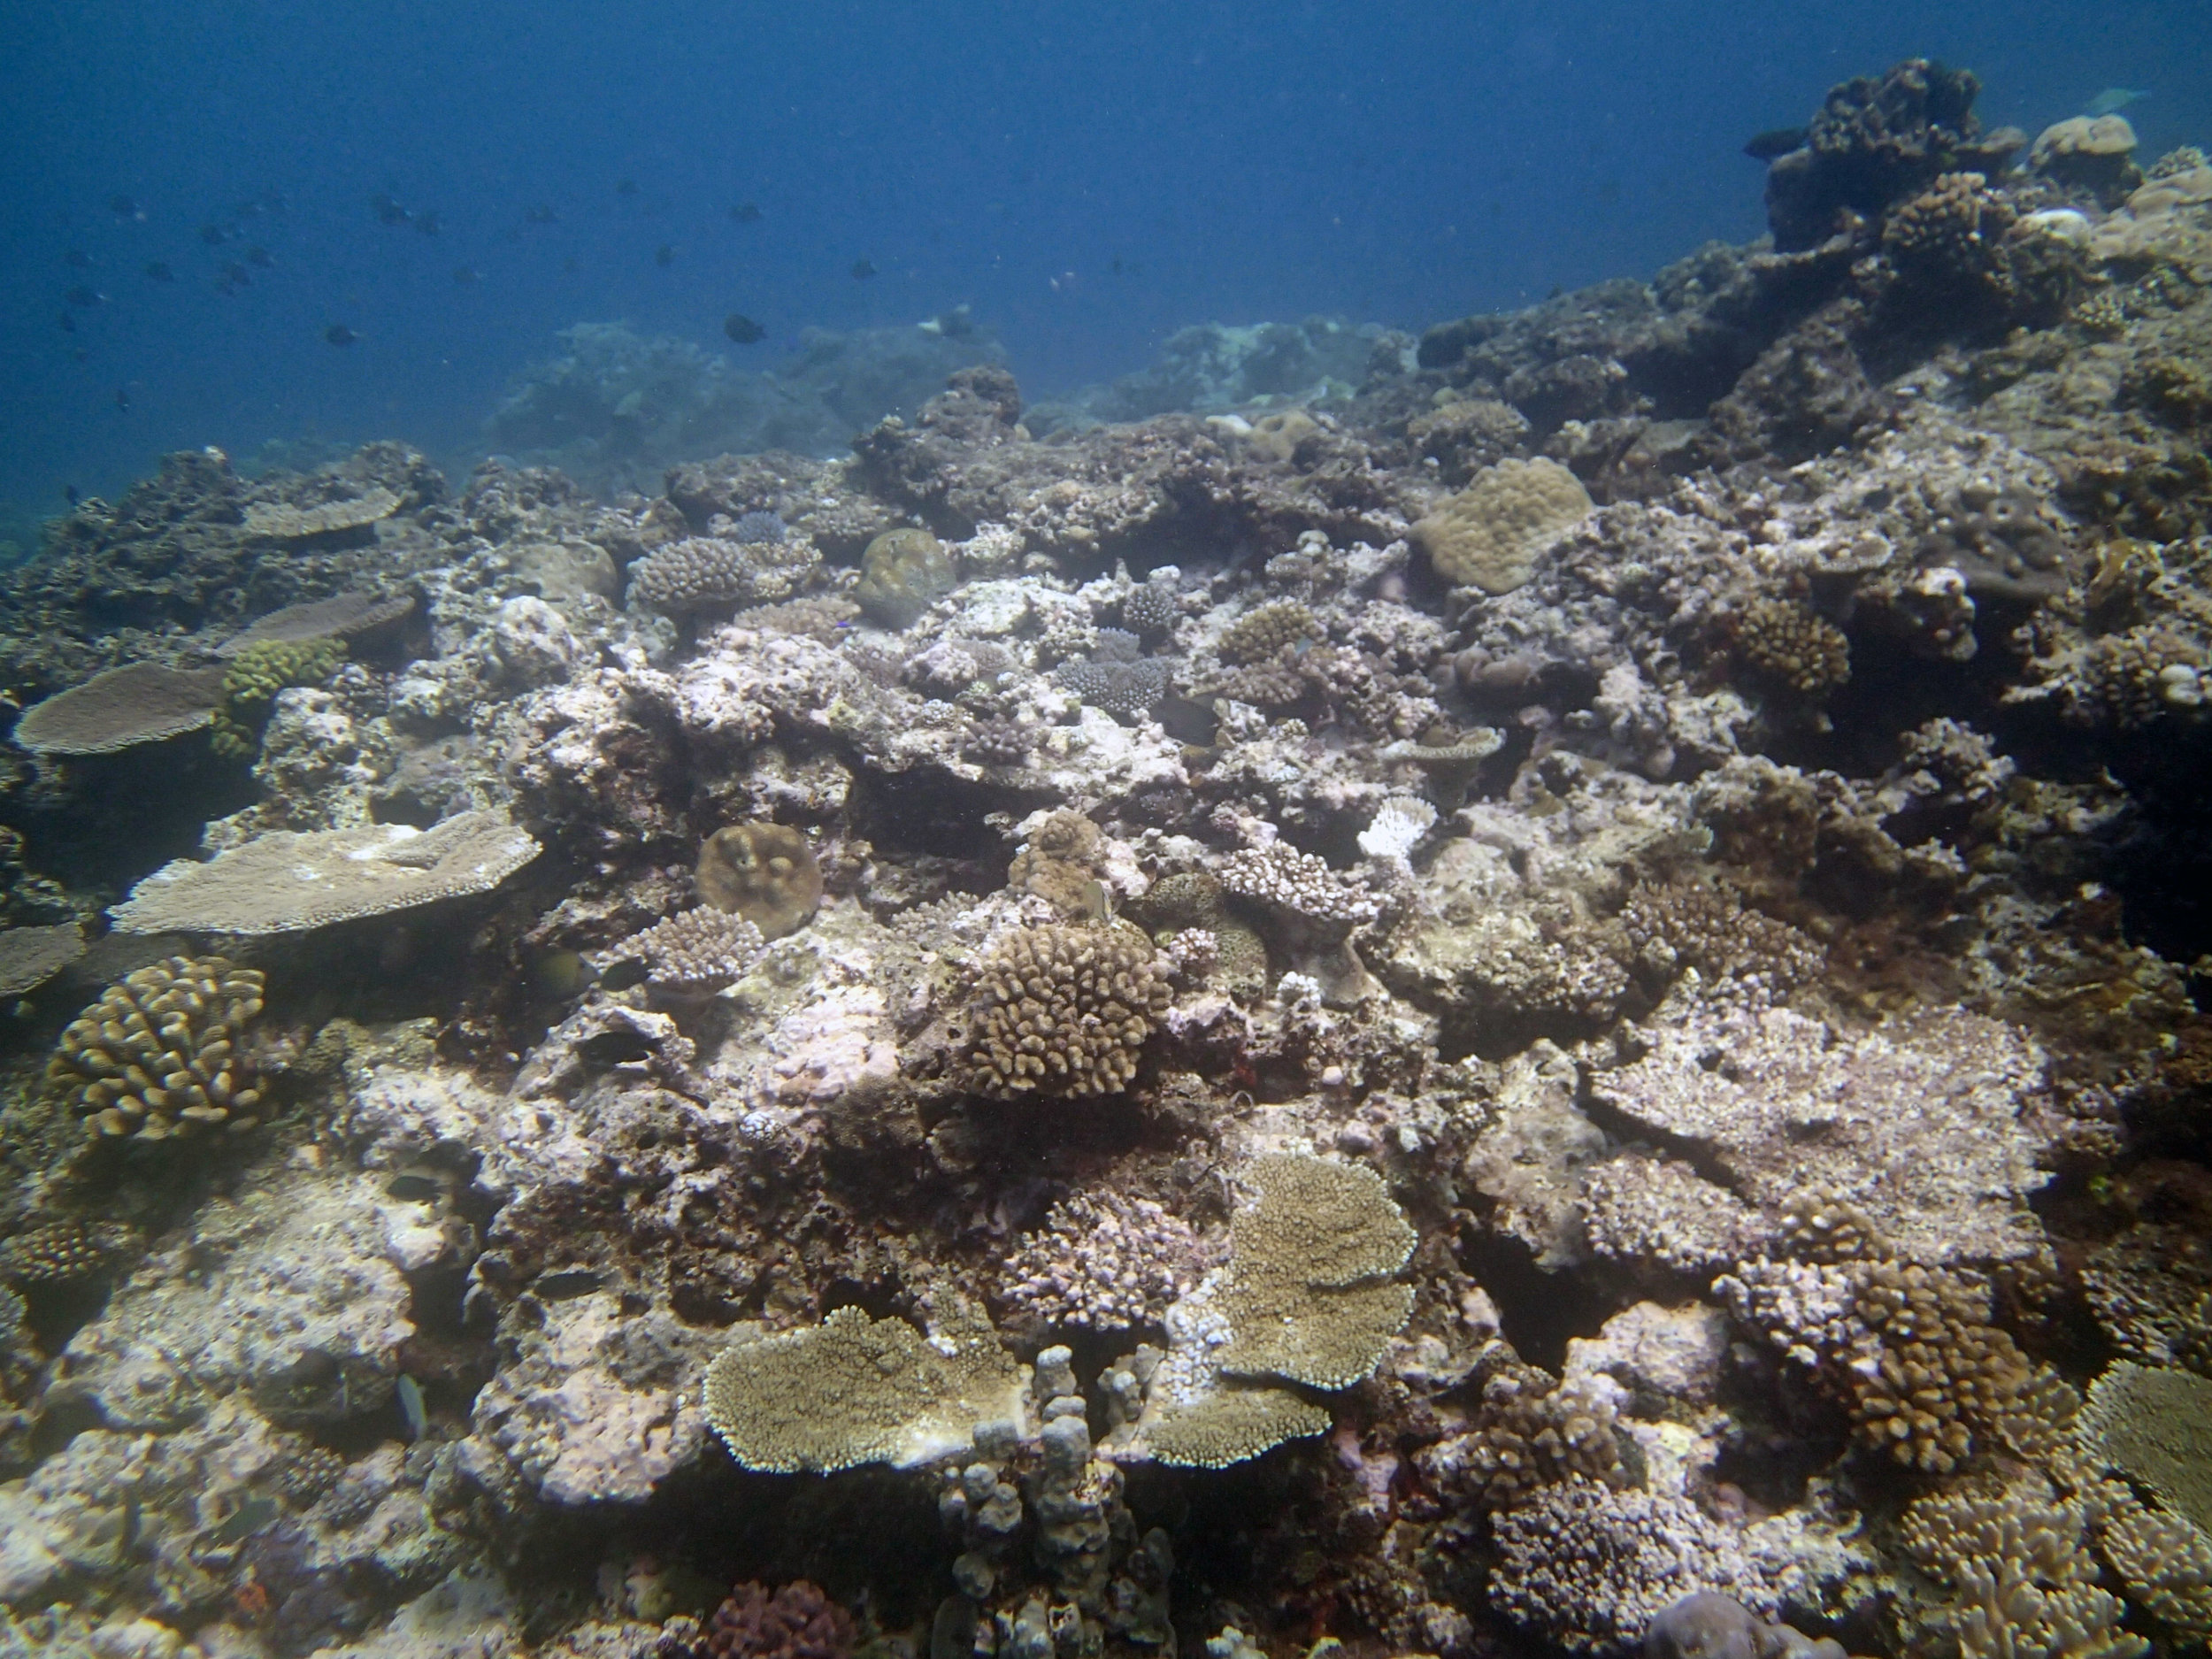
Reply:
x=1541, y=986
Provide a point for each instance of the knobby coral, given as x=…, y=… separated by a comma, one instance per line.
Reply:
x=159, y=1053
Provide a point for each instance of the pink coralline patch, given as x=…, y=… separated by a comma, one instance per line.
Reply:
x=827, y=1050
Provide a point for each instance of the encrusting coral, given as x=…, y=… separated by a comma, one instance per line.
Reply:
x=1490, y=535
x=158, y=1054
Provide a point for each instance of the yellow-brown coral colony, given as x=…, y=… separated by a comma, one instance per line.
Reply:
x=159, y=1053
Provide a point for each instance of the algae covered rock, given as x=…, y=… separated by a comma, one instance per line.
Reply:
x=902, y=574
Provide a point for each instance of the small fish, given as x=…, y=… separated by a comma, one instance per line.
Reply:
x=234, y=276
x=464, y=274
x=213, y=235
x=625, y=187
x=569, y=266
x=410, y=1407
x=83, y=296
x=68, y=324
x=743, y=329
x=541, y=213
x=957, y=324
x=249, y=1518
x=339, y=335
x=388, y=210
x=126, y=207
x=1776, y=141
x=745, y=213
x=158, y=271
x=664, y=255
x=77, y=259
x=428, y=224
x=260, y=256
x=71, y=494
x=123, y=398
x=2112, y=100
x=863, y=269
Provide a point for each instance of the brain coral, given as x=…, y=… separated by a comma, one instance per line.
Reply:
x=1063, y=1010
x=854, y=1390
x=286, y=881
x=157, y=1056
x=764, y=873
x=1490, y=535
x=140, y=702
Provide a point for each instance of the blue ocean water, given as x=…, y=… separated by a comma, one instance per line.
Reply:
x=1087, y=178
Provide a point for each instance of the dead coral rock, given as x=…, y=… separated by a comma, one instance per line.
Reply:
x=1875, y=141
x=1934, y=1125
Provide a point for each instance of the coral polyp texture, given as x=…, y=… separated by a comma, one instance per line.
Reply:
x=1062, y=1010
x=1533, y=984
x=160, y=1054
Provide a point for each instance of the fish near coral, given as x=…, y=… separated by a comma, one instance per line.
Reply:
x=766, y=873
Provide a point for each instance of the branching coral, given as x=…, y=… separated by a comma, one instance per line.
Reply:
x=1103, y=1261
x=2023, y=1582
x=691, y=953
x=700, y=571
x=1062, y=1010
x=157, y=1056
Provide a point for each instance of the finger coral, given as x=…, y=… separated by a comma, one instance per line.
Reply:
x=701, y=571
x=695, y=952
x=1062, y=1010
x=157, y=1056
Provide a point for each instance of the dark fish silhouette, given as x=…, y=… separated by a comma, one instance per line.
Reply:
x=627, y=187
x=68, y=324
x=664, y=255
x=260, y=256
x=464, y=274
x=234, y=277
x=428, y=224
x=83, y=295
x=863, y=269
x=213, y=235
x=743, y=329
x=388, y=210
x=123, y=398
x=157, y=271
x=69, y=494
x=339, y=335
x=541, y=213
x=77, y=259
x=745, y=213
x=126, y=207
x=1776, y=141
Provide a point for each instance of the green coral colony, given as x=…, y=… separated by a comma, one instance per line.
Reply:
x=1510, y=991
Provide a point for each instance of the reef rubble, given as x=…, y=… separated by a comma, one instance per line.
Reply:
x=1544, y=999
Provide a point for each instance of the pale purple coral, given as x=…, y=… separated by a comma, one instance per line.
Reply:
x=1103, y=1261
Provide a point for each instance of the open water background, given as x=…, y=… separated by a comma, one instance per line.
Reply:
x=1088, y=177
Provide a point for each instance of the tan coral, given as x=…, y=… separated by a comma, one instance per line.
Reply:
x=1491, y=533
x=1063, y=1010
x=158, y=1054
